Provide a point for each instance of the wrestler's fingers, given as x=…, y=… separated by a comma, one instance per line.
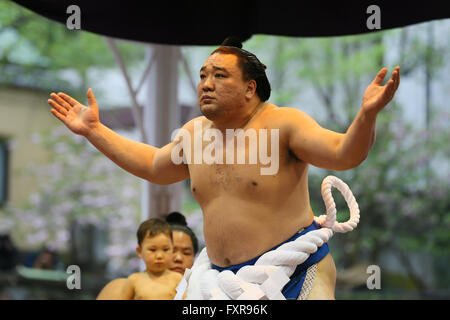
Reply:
x=59, y=108
x=394, y=76
x=91, y=97
x=68, y=99
x=58, y=115
x=397, y=78
x=393, y=82
x=60, y=101
x=380, y=76
x=389, y=90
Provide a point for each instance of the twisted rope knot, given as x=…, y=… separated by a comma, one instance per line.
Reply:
x=270, y=273
x=329, y=219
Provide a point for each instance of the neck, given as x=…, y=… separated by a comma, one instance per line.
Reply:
x=241, y=119
x=155, y=274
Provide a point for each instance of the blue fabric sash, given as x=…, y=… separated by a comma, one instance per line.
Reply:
x=293, y=288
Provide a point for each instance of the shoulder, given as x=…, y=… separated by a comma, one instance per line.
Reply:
x=286, y=113
x=190, y=124
x=188, y=127
x=134, y=276
x=175, y=275
x=286, y=119
x=292, y=119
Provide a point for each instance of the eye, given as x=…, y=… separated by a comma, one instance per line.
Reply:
x=202, y=76
x=219, y=75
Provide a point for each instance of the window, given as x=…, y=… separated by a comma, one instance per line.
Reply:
x=3, y=171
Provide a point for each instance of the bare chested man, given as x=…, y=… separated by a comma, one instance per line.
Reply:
x=245, y=213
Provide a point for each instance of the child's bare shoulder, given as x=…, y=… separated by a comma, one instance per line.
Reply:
x=135, y=276
x=175, y=275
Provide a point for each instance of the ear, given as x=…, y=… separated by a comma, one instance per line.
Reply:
x=139, y=251
x=251, y=89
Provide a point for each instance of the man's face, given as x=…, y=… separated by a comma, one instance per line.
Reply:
x=183, y=252
x=221, y=80
x=156, y=252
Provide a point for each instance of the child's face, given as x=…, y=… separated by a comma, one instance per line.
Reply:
x=156, y=252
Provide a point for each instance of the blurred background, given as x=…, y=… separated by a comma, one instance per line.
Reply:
x=63, y=203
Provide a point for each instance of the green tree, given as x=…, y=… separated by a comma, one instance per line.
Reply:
x=78, y=186
x=33, y=47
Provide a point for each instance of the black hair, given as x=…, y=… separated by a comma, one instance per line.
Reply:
x=252, y=68
x=153, y=227
x=177, y=222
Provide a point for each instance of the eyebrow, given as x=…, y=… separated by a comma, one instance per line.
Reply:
x=215, y=68
x=184, y=248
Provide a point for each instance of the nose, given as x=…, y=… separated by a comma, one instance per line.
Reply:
x=177, y=257
x=207, y=85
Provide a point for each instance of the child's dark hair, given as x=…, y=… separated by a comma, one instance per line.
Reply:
x=252, y=68
x=153, y=227
x=178, y=223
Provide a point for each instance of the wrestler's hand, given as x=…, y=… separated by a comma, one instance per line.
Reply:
x=377, y=96
x=79, y=118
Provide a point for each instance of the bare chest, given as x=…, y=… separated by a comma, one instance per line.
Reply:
x=148, y=289
x=252, y=165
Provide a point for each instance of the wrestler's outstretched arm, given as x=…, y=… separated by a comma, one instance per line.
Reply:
x=360, y=136
x=336, y=151
x=145, y=161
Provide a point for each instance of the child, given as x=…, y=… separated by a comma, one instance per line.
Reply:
x=155, y=247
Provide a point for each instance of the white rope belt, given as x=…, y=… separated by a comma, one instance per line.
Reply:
x=267, y=277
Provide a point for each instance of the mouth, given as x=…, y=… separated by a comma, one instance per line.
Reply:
x=207, y=98
x=178, y=269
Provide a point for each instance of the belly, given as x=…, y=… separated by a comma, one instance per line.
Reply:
x=237, y=230
x=246, y=213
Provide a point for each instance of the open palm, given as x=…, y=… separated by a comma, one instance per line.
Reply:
x=79, y=118
x=376, y=96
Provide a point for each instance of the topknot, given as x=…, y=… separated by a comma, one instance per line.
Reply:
x=232, y=41
x=176, y=218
